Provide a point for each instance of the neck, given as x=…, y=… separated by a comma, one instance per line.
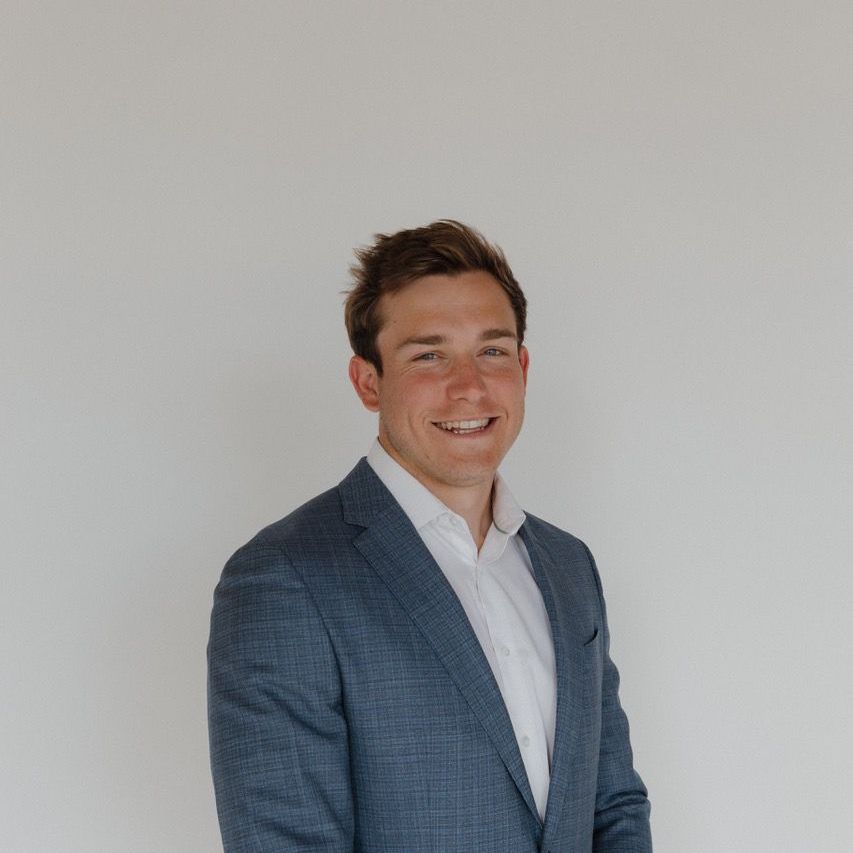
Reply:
x=473, y=503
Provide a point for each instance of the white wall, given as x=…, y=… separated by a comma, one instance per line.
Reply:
x=182, y=186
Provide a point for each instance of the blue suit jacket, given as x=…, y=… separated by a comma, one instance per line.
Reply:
x=352, y=708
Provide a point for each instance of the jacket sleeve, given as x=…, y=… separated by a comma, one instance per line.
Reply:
x=621, y=804
x=278, y=735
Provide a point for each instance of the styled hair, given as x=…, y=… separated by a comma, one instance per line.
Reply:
x=445, y=247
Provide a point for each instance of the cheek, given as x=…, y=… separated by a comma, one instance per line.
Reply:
x=417, y=392
x=510, y=388
x=407, y=400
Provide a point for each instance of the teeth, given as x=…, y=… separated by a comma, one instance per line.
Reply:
x=464, y=426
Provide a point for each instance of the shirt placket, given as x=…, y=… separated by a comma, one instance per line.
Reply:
x=511, y=655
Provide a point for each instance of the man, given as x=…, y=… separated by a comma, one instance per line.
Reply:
x=408, y=662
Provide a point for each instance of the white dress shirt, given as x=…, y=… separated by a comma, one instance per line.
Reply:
x=502, y=601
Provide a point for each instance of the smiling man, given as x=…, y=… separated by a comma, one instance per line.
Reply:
x=410, y=662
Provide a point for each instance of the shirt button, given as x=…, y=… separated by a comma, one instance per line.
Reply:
x=505, y=650
x=525, y=741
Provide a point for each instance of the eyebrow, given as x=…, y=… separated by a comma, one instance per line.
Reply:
x=435, y=340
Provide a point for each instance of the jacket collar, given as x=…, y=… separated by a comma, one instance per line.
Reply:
x=556, y=578
x=391, y=544
x=393, y=547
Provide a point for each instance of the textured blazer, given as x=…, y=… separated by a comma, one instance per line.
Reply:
x=351, y=707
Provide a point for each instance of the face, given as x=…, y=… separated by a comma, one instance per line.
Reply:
x=451, y=396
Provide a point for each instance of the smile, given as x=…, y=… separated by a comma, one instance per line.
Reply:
x=465, y=427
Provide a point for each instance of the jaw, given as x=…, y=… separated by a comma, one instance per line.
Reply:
x=469, y=455
x=443, y=458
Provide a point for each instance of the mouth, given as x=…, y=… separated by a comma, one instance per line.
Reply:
x=469, y=427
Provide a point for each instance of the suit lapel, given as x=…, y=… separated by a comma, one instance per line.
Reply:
x=560, y=597
x=395, y=550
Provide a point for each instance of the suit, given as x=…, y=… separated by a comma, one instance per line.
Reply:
x=351, y=706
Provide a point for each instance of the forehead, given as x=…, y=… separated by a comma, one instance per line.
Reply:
x=468, y=300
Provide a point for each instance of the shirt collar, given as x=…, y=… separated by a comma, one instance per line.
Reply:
x=423, y=507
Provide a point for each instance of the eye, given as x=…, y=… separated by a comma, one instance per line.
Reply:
x=493, y=351
x=426, y=356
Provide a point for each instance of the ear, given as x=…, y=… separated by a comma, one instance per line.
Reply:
x=524, y=361
x=365, y=380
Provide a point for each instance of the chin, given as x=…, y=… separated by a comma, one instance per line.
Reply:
x=469, y=475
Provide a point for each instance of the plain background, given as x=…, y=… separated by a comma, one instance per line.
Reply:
x=182, y=188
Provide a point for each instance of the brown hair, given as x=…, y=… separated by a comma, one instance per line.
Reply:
x=445, y=247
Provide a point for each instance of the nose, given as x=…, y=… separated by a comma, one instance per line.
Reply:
x=465, y=381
